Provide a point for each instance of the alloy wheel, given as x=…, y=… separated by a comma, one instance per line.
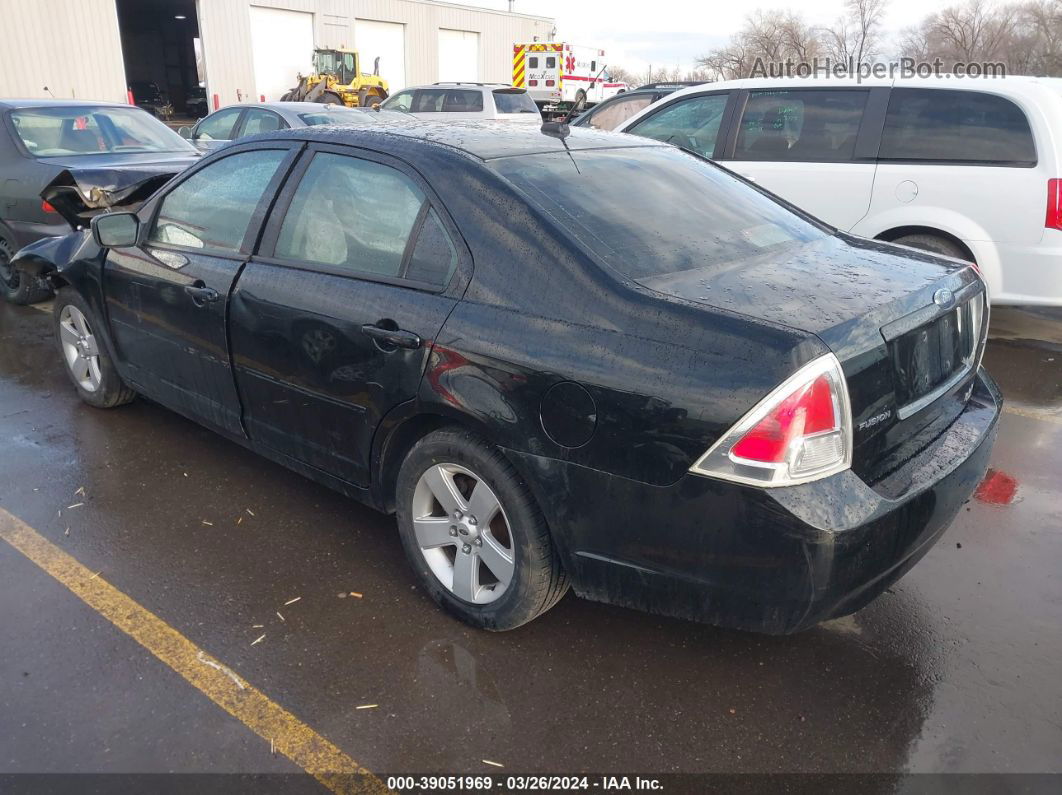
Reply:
x=80, y=348
x=463, y=533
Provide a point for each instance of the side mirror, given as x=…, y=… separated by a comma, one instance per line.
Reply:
x=185, y=132
x=115, y=230
x=580, y=104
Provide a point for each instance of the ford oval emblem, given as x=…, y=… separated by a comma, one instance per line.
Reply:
x=944, y=298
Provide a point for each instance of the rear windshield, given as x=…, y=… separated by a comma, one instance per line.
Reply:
x=50, y=132
x=651, y=211
x=510, y=101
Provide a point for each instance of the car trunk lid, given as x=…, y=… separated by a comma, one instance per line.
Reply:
x=905, y=325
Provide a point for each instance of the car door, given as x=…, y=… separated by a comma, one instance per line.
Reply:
x=216, y=129
x=804, y=145
x=696, y=122
x=167, y=297
x=332, y=322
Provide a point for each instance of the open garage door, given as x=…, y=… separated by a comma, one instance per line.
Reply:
x=386, y=41
x=282, y=42
x=458, y=56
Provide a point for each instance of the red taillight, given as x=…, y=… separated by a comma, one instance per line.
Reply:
x=47, y=207
x=1054, y=204
x=807, y=411
x=532, y=82
x=800, y=432
x=551, y=82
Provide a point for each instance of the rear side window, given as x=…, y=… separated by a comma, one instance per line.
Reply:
x=612, y=115
x=212, y=208
x=956, y=127
x=260, y=121
x=506, y=100
x=816, y=126
x=218, y=127
x=691, y=123
x=359, y=216
x=447, y=100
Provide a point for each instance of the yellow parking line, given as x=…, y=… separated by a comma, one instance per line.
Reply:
x=1032, y=414
x=293, y=738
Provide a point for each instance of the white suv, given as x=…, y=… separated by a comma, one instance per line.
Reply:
x=968, y=167
x=451, y=101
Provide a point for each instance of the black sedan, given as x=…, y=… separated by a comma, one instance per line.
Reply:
x=100, y=150
x=559, y=358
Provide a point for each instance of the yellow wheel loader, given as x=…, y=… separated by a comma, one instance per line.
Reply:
x=337, y=80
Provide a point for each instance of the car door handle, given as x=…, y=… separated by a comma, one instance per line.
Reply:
x=395, y=337
x=200, y=294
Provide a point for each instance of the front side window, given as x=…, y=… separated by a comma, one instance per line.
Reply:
x=213, y=207
x=651, y=211
x=612, y=115
x=358, y=216
x=816, y=126
x=955, y=126
x=260, y=121
x=57, y=131
x=691, y=123
x=219, y=126
x=401, y=101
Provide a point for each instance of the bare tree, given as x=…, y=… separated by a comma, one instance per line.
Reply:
x=856, y=35
x=767, y=37
x=972, y=31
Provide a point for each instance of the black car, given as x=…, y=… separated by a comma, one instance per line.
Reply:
x=585, y=358
x=95, y=152
x=611, y=113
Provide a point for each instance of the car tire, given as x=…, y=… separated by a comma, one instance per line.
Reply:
x=934, y=245
x=508, y=565
x=16, y=287
x=84, y=352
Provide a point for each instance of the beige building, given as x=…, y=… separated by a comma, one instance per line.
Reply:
x=244, y=50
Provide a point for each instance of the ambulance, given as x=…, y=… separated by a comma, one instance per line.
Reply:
x=557, y=75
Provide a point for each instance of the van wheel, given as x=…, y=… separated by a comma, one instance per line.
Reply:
x=935, y=245
x=17, y=287
x=473, y=534
x=78, y=335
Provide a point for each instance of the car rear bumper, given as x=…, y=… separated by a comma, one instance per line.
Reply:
x=1031, y=274
x=769, y=560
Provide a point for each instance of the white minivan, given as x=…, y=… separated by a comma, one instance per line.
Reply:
x=967, y=167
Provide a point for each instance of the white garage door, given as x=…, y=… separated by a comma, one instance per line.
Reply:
x=458, y=56
x=282, y=42
x=386, y=41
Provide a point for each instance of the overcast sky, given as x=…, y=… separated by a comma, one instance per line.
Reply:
x=675, y=32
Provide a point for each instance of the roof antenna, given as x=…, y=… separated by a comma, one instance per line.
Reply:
x=560, y=130
x=49, y=91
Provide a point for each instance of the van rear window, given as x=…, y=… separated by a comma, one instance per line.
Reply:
x=956, y=127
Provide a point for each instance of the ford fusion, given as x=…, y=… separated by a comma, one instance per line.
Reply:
x=558, y=357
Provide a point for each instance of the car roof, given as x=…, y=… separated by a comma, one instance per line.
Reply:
x=59, y=103
x=484, y=140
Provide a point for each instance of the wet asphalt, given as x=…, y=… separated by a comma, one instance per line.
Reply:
x=955, y=669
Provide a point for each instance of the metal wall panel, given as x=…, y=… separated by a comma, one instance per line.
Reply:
x=70, y=46
x=86, y=33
